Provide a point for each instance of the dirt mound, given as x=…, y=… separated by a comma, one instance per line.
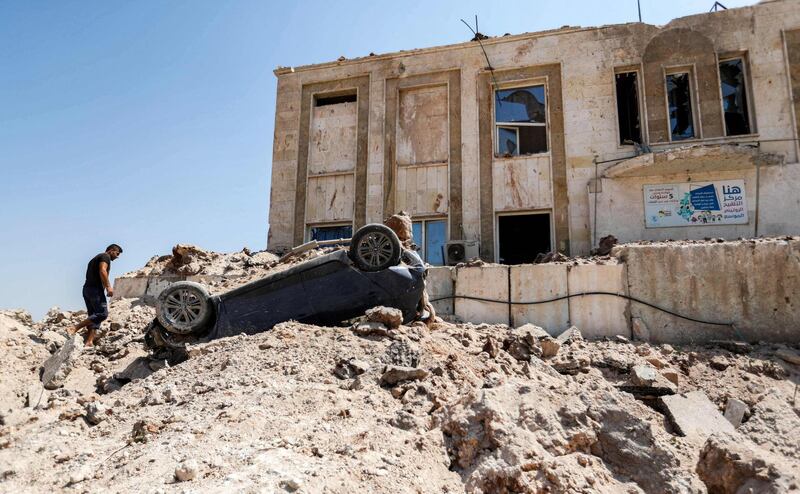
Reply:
x=190, y=260
x=446, y=408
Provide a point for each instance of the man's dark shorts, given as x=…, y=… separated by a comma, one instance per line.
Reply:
x=96, y=305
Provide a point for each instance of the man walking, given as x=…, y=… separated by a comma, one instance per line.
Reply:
x=96, y=281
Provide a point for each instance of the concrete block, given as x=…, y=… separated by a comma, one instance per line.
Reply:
x=440, y=284
x=694, y=416
x=129, y=287
x=56, y=368
x=490, y=282
x=598, y=316
x=734, y=411
x=534, y=282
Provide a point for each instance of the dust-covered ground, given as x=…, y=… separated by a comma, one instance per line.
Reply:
x=440, y=408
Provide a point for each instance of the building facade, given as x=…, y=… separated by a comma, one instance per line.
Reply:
x=689, y=130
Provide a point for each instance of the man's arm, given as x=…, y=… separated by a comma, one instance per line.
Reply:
x=104, y=278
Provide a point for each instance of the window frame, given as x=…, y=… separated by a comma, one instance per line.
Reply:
x=641, y=104
x=336, y=224
x=498, y=125
x=696, y=123
x=422, y=251
x=751, y=122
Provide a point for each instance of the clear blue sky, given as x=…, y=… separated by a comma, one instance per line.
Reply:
x=150, y=123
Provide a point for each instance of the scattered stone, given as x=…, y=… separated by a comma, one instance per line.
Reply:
x=694, y=416
x=491, y=347
x=667, y=349
x=395, y=374
x=719, y=363
x=405, y=420
x=732, y=346
x=656, y=362
x=569, y=364
x=569, y=336
x=36, y=395
x=402, y=353
x=350, y=368
x=643, y=350
x=371, y=328
x=646, y=381
x=389, y=316
x=730, y=463
x=734, y=411
x=523, y=342
x=95, y=412
x=186, y=471
x=671, y=375
x=621, y=339
x=550, y=347
x=56, y=368
x=290, y=484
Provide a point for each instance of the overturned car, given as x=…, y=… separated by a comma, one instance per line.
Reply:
x=340, y=285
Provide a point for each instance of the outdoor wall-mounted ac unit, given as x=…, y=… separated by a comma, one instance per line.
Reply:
x=457, y=251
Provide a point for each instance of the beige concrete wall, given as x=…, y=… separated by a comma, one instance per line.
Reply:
x=537, y=282
x=598, y=316
x=587, y=58
x=755, y=285
x=489, y=282
x=440, y=283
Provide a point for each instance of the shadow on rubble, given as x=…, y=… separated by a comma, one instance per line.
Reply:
x=138, y=369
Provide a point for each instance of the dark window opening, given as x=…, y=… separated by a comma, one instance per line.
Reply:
x=335, y=100
x=628, y=108
x=321, y=233
x=679, y=95
x=521, y=121
x=522, y=237
x=734, y=97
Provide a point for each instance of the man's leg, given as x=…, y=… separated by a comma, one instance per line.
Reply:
x=78, y=327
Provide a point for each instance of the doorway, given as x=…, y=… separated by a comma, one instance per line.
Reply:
x=521, y=237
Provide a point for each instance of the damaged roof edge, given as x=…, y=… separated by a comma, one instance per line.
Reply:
x=496, y=40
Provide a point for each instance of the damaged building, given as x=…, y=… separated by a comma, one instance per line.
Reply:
x=550, y=140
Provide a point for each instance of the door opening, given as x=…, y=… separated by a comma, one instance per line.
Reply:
x=522, y=237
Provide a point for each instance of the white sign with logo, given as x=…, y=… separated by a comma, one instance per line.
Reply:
x=695, y=204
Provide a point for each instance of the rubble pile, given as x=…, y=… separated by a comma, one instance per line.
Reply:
x=190, y=260
x=397, y=408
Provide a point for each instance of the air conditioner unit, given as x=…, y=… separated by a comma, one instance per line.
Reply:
x=457, y=251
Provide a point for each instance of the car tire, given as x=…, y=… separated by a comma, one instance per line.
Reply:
x=375, y=247
x=184, y=308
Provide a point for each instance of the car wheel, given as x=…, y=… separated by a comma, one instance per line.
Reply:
x=184, y=308
x=375, y=247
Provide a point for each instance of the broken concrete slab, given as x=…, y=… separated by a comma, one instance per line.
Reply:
x=550, y=347
x=645, y=380
x=56, y=368
x=395, y=374
x=371, y=328
x=694, y=416
x=671, y=375
x=734, y=411
x=569, y=336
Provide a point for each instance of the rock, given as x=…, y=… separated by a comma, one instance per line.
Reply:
x=788, y=356
x=667, y=349
x=646, y=381
x=186, y=471
x=56, y=368
x=405, y=420
x=36, y=395
x=569, y=364
x=730, y=463
x=395, y=374
x=290, y=484
x=621, y=339
x=739, y=347
x=694, y=416
x=402, y=353
x=550, y=347
x=95, y=412
x=734, y=411
x=531, y=329
x=350, y=368
x=371, y=328
x=671, y=375
x=491, y=347
x=656, y=362
x=170, y=395
x=719, y=363
x=389, y=316
x=569, y=336
x=523, y=342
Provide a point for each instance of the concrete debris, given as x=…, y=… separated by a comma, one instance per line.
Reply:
x=187, y=471
x=491, y=347
x=403, y=353
x=389, y=316
x=371, y=329
x=350, y=368
x=645, y=380
x=56, y=369
x=738, y=347
x=570, y=336
x=96, y=412
x=694, y=416
x=734, y=411
x=729, y=463
x=395, y=374
x=788, y=356
x=550, y=347
x=401, y=224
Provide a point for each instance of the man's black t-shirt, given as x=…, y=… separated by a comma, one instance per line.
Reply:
x=93, y=270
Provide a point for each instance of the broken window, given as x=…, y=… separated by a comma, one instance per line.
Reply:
x=336, y=232
x=335, y=100
x=521, y=237
x=520, y=116
x=430, y=236
x=734, y=97
x=628, y=108
x=679, y=96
